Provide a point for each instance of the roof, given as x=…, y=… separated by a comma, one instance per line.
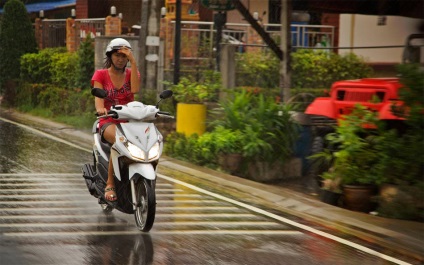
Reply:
x=36, y=7
x=406, y=8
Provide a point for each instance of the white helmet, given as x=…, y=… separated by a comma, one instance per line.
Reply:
x=116, y=44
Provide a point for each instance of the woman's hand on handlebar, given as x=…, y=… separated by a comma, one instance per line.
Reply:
x=101, y=111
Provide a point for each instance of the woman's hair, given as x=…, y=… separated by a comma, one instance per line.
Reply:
x=108, y=60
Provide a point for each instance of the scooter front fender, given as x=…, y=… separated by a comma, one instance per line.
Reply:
x=144, y=169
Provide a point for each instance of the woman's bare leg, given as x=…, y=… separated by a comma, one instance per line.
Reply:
x=110, y=194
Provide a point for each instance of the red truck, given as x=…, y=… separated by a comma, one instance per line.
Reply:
x=378, y=94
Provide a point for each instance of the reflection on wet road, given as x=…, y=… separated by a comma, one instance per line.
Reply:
x=27, y=151
x=48, y=217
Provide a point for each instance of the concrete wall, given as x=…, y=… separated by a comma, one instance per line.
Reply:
x=234, y=16
x=362, y=30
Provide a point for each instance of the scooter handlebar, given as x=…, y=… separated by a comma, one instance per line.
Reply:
x=164, y=114
x=109, y=114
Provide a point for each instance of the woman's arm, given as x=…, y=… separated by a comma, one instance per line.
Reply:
x=99, y=103
x=135, y=79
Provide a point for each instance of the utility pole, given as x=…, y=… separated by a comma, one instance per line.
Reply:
x=220, y=19
x=152, y=44
x=142, y=43
x=285, y=75
x=264, y=35
x=177, y=44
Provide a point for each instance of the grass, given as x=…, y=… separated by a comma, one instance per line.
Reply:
x=84, y=121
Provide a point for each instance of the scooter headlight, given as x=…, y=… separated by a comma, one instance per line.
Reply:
x=135, y=151
x=154, y=151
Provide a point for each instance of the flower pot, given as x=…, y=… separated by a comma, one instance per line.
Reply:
x=330, y=197
x=191, y=118
x=263, y=171
x=230, y=162
x=359, y=197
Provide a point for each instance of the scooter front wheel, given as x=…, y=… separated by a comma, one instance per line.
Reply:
x=146, y=204
x=106, y=208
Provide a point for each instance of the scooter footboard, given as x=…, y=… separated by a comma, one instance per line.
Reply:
x=144, y=169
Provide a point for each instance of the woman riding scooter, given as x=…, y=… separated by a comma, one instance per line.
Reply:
x=120, y=84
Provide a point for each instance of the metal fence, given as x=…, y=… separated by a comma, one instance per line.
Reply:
x=92, y=27
x=54, y=31
x=202, y=35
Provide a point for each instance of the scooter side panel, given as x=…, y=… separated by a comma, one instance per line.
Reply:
x=114, y=155
x=97, y=146
x=144, y=169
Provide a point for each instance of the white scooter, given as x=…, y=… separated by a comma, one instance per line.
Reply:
x=135, y=156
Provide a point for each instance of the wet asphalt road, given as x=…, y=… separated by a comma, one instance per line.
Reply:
x=48, y=217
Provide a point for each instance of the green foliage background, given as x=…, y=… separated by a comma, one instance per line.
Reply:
x=321, y=69
x=55, y=83
x=16, y=38
x=309, y=69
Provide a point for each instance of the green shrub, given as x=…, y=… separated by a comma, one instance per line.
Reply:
x=183, y=147
x=85, y=63
x=321, y=69
x=255, y=126
x=404, y=150
x=16, y=38
x=79, y=102
x=36, y=67
x=268, y=123
x=57, y=66
x=27, y=98
x=257, y=70
x=64, y=69
x=309, y=69
x=63, y=101
x=52, y=98
x=190, y=91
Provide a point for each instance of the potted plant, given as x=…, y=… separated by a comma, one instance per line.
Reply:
x=357, y=161
x=269, y=129
x=331, y=191
x=191, y=96
x=229, y=148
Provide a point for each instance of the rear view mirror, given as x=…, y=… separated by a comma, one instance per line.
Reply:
x=166, y=94
x=98, y=92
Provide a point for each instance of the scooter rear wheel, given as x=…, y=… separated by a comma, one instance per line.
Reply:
x=146, y=204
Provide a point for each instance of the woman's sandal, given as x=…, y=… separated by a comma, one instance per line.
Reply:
x=110, y=197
